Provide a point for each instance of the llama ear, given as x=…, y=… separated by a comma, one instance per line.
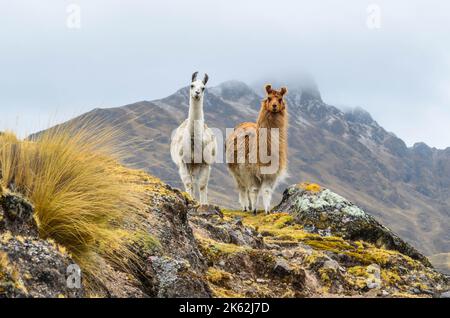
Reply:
x=194, y=76
x=283, y=91
x=268, y=88
x=205, y=79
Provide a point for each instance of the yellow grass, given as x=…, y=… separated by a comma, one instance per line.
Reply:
x=82, y=196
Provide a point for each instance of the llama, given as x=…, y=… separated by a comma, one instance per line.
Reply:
x=193, y=147
x=256, y=162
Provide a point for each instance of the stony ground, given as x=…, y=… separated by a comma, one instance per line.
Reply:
x=273, y=256
x=304, y=249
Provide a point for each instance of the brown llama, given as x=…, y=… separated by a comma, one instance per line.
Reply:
x=257, y=152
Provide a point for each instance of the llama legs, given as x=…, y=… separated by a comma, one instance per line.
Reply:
x=203, y=178
x=267, y=191
x=186, y=177
x=253, y=197
x=243, y=199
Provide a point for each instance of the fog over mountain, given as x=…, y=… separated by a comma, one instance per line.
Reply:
x=140, y=50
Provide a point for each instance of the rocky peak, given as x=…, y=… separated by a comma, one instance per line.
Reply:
x=233, y=90
x=359, y=115
x=422, y=149
x=310, y=94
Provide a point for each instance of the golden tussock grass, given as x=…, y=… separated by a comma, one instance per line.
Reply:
x=82, y=196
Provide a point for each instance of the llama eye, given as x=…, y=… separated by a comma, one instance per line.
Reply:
x=280, y=100
x=203, y=88
x=192, y=86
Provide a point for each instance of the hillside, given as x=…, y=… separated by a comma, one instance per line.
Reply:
x=405, y=188
x=212, y=252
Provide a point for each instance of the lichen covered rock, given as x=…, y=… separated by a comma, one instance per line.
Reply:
x=323, y=211
x=29, y=266
x=293, y=262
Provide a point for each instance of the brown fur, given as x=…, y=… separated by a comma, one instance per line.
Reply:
x=273, y=114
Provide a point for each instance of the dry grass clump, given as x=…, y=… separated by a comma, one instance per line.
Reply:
x=82, y=196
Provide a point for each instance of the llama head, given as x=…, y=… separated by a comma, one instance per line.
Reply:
x=197, y=89
x=274, y=101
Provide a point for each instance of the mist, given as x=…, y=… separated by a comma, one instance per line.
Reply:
x=126, y=51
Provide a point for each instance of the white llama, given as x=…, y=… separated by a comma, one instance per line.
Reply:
x=194, y=146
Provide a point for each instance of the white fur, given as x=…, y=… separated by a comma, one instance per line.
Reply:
x=251, y=184
x=193, y=132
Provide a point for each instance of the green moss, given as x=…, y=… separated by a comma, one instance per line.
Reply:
x=214, y=250
x=219, y=292
x=217, y=276
x=390, y=277
x=9, y=275
x=311, y=187
x=146, y=240
x=359, y=271
x=280, y=228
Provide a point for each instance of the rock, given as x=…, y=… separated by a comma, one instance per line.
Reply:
x=261, y=281
x=16, y=215
x=288, y=254
x=229, y=232
x=282, y=268
x=331, y=264
x=30, y=266
x=175, y=279
x=208, y=210
x=350, y=222
x=374, y=279
x=445, y=295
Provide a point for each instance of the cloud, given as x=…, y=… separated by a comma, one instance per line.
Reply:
x=131, y=50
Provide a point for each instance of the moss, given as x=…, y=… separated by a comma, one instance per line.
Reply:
x=404, y=295
x=324, y=275
x=313, y=258
x=311, y=187
x=9, y=275
x=359, y=271
x=147, y=241
x=214, y=250
x=220, y=292
x=281, y=229
x=357, y=277
x=5, y=237
x=390, y=277
x=217, y=276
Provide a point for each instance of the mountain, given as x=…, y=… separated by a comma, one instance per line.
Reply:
x=406, y=188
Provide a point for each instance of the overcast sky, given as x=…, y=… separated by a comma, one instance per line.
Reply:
x=131, y=50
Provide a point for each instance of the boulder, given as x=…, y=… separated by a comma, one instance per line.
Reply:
x=30, y=266
x=325, y=212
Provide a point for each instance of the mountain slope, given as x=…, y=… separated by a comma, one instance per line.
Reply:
x=408, y=189
x=192, y=251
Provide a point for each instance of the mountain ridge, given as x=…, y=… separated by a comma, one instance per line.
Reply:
x=407, y=187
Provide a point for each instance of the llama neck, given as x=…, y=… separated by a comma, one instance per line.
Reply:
x=195, y=114
x=268, y=120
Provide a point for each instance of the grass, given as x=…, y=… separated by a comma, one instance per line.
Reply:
x=82, y=196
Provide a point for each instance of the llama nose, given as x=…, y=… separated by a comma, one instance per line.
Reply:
x=274, y=107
